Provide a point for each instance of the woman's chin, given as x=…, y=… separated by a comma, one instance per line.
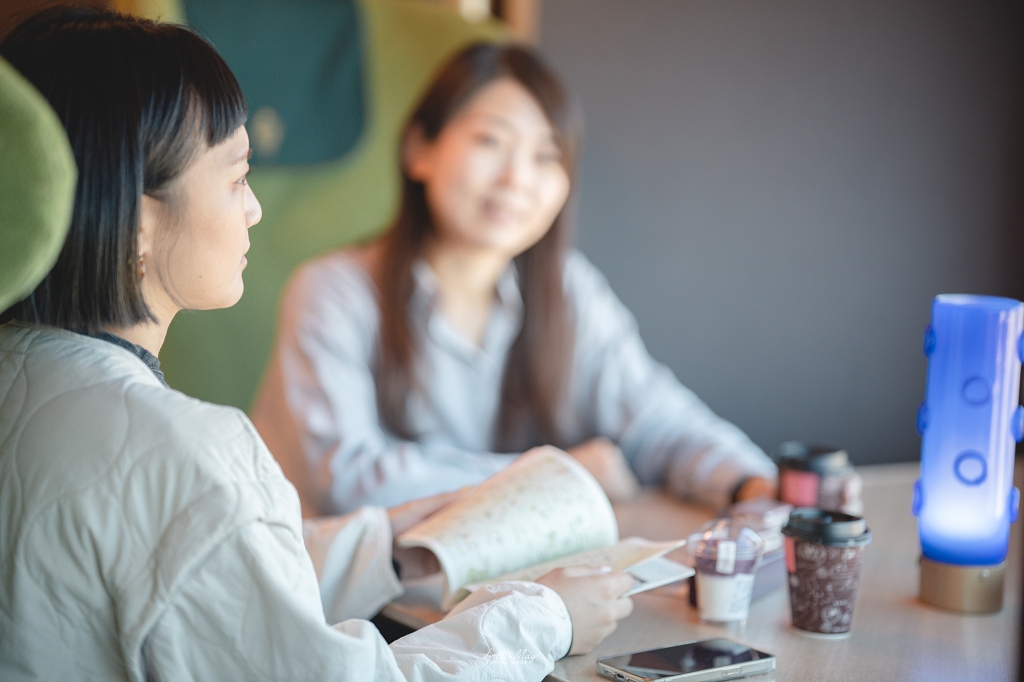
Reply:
x=226, y=299
x=513, y=238
x=511, y=242
x=235, y=296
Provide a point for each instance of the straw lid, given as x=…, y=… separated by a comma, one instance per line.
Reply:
x=821, y=459
x=827, y=527
x=745, y=541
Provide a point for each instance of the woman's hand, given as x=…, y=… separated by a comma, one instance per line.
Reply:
x=595, y=601
x=405, y=516
x=852, y=504
x=415, y=562
x=756, y=487
x=605, y=462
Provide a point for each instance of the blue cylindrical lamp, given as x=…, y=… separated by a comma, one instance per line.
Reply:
x=970, y=421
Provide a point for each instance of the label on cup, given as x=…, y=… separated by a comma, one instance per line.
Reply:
x=799, y=488
x=726, y=562
x=790, y=555
x=724, y=598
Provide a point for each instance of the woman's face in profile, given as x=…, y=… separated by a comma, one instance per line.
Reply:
x=493, y=178
x=202, y=238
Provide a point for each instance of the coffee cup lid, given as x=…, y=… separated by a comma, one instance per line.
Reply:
x=745, y=541
x=827, y=527
x=821, y=459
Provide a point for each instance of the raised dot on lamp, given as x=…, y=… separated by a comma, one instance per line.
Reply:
x=969, y=423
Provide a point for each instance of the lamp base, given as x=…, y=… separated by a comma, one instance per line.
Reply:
x=968, y=589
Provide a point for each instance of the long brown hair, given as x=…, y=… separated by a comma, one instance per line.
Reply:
x=539, y=360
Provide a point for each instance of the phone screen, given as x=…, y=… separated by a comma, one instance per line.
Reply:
x=684, y=658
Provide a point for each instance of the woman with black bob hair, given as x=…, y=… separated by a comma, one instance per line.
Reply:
x=148, y=535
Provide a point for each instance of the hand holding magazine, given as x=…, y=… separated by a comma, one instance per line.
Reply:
x=544, y=512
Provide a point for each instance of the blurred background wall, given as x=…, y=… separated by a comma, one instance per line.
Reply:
x=778, y=188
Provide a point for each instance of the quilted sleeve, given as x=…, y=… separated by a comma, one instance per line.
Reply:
x=511, y=631
x=251, y=610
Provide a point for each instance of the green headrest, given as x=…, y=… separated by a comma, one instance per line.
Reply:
x=37, y=186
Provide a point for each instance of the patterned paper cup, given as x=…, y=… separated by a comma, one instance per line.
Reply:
x=824, y=553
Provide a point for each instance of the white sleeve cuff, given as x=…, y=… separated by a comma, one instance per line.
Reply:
x=352, y=558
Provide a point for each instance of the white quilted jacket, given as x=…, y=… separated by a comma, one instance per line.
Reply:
x=148, y=535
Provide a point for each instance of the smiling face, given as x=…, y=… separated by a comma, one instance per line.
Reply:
x=494, y=178
x=195, y=244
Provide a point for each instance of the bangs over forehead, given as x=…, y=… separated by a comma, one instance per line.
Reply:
x=479, y=65
x=204, y=110
x=106, y=75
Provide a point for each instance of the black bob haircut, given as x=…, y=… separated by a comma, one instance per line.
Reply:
x=138, y=100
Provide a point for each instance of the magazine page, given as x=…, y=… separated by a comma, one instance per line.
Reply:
x=621, y=556
x=546, y=505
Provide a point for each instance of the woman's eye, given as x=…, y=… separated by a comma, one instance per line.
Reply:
x=546, y=158
x=244, y=180
x=486, y=140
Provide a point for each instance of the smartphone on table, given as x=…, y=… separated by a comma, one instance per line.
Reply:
x=708, y=659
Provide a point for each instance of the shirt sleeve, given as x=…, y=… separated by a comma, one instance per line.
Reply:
x=317, y=407
x=520, y=629
x=251, y=611
x=619, y=391
x=352, y=558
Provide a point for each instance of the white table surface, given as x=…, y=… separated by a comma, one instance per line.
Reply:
x=894, y=636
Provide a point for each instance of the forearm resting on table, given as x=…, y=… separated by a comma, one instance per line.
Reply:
x=755, y=487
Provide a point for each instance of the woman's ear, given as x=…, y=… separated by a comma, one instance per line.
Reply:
x=416, y=154
x=149, y=216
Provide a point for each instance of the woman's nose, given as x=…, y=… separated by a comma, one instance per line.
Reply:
x=253, y=210
x=518, y=171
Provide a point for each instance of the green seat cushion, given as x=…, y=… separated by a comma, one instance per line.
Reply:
x=37, y=186
x=219, y=355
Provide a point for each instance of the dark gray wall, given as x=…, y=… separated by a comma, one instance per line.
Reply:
x=778, y=188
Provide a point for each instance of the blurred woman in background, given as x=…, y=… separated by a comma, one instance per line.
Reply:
x=148, y=535
x=471, y=329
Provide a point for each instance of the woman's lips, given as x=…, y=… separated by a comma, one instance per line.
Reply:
x=501, y=214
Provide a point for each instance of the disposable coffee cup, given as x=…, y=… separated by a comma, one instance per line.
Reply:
x=725, y=555
x=816, y=476
x=824, y=553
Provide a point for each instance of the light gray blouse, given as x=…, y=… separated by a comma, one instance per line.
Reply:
x=317, y=408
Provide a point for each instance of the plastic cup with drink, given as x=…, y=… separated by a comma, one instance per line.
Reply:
x=725, y=554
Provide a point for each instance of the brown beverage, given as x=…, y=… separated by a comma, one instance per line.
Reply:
x=824, y=553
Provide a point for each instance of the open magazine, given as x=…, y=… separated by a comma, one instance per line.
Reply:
x=543, y=512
